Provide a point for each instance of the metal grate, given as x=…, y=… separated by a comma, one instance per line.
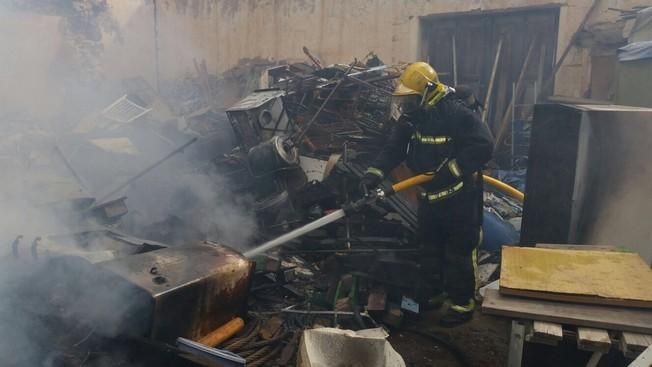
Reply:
x=123, y=110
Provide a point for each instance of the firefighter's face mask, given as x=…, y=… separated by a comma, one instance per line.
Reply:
x=408, y=104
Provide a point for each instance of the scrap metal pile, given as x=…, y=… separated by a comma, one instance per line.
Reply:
x=303, y=144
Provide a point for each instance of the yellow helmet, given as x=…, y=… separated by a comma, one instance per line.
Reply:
x=416, y=78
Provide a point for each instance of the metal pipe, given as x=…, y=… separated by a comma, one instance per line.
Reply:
x=290, y=310
x=69, y=166
x=307, y=126
x=454, y=61
x=353, y=251
x=347, y=222
x=157, y=48
x=145, y=171
x=367, y=84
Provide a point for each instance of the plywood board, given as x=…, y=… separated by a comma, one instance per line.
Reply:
x=606, y=317
x=601, y=277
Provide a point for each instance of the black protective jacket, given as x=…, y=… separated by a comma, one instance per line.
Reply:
x=449, y=131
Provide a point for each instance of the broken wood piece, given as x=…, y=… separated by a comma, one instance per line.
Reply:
x=593, y=340
x=541, y=332
x=644, y=360
x=223, y=333
x=547, y=330
x=610, y=318
x=633, y=344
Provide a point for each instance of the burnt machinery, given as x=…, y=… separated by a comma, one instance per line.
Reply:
x=185, y=291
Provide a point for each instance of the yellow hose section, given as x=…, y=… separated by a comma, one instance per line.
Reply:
x=223, y=333
x=503, y=187
x=499, y=185
x=412, y=181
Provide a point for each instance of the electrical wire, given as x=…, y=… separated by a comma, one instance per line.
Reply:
x=265, y=359
x=237, y=343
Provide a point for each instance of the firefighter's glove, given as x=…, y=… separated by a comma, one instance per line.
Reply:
x=371, y=179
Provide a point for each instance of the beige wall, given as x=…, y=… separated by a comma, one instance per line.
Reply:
x=26, y=63
x=224, y=32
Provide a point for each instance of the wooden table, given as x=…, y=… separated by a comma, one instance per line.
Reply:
x=597, y=329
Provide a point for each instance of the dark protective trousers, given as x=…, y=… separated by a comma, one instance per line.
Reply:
x=449, y=259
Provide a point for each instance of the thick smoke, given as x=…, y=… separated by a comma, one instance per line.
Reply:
x=52, y=92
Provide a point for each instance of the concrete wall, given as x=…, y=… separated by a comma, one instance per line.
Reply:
x=226, y=32
x=27, y=61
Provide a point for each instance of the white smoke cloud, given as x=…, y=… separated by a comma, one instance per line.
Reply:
x=50, y=79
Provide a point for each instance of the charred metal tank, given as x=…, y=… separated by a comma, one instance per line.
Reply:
x=184, y=291
x=274, y=167
x=261, y=123
x=271, y=156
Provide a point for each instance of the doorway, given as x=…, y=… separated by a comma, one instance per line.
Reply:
x=463, y=48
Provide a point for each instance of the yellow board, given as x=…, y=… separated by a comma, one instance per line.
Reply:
x=601, y=277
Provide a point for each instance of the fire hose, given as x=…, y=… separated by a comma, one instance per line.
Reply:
x=368, y=199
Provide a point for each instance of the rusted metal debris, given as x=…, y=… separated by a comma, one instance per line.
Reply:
x=185, y=291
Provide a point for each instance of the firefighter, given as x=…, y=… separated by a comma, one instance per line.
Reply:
x=437, y=132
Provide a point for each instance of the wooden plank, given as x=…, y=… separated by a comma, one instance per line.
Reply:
x=644, y=360
x=501, y=96
x=555, y=246
x=610, y=318
x=594, y=360
x=547, y=330
x=575, y=298
x=492, y=78
x=516, y=339
x=633, y=344
x=542, y=332
x=601, y=277
x=593, y=340
x=515, y=97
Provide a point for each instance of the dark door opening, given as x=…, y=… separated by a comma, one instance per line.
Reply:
x=463, y=48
